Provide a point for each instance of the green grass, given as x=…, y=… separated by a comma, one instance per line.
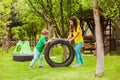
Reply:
x=13, y=70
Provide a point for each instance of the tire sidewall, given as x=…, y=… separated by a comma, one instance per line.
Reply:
x=66, y=62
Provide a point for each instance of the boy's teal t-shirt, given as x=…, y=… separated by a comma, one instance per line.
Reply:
x=40, y=45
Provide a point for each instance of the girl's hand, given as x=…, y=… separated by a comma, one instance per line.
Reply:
x=66, y=40
x=70, y=40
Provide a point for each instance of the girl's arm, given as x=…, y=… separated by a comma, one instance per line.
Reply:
x=74, y=36
x=77, y=33
x=69, y=36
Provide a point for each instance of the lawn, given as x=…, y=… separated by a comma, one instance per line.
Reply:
x=14, y=70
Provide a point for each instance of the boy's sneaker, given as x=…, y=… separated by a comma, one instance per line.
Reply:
x=30, y=67
x=76, y=65
x=40, y=66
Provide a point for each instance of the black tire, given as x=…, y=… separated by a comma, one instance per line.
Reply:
x=67, y=62
x=22, y=57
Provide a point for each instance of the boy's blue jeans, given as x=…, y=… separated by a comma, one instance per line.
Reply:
x=79, y=58
x=37, y=55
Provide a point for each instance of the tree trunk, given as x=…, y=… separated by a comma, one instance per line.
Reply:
x=62, y=17
x=64, y=52
x=50, y=29
x=99, y=41
x=5, y=40
x=118, y=22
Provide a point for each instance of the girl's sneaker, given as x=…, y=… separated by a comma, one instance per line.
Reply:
x=76, y=65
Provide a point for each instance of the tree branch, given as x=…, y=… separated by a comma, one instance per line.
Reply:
x=40, y=14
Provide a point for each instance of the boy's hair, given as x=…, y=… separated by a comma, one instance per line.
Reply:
x=44, y=31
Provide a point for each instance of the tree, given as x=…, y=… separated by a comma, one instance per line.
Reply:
x=4, y=15
x=111, y=10
x=56, y=12
x=32, y=23
x=99, y=40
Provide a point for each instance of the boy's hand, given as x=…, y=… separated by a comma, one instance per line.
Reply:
x=49, y=40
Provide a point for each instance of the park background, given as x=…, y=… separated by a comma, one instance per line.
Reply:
x=24, y=20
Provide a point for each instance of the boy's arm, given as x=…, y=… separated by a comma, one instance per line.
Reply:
x=47, y=41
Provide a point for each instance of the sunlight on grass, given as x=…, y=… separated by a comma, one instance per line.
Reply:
x=14, y=70
x=57, y=54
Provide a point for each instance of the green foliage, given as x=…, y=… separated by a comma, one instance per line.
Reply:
x=5, y=6
x=58, y=12
x=32, y=23
x=111, y=8
x=18, y=32
x=33, y=20
x=77, y=7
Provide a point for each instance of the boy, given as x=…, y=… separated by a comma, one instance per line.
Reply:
x=39, y=47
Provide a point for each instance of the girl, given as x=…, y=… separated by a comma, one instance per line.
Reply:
x=76, y=35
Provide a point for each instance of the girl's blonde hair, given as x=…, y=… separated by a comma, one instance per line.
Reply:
x=44, y=32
